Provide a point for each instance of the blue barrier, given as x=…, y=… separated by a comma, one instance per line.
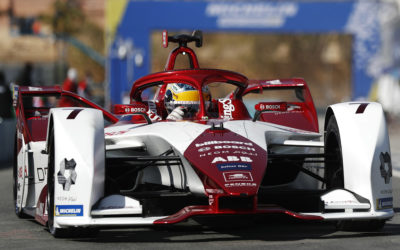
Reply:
x=358, y=18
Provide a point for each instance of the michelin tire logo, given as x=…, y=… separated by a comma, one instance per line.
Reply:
x=69, y=210
x=384, y=203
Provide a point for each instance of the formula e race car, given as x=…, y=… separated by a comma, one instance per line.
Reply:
x=195, y=142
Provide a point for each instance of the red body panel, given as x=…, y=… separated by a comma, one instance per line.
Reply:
x=33, y=126
x=208, y=210
x=304, y=116
x=233, y=162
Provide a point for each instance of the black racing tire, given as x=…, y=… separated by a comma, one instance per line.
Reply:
x=334, y=163
x=56, y=232
x=18, y=211
x=334, y=176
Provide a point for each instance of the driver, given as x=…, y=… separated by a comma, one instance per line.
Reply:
x=182, y=101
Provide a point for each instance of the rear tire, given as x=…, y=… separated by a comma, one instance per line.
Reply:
x=17, y=209
x=334, y=176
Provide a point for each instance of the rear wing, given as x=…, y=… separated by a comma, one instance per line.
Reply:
x=32, y=107
x=17, y=90
x=299, y=107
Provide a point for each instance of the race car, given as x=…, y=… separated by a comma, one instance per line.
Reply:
x=195, y=142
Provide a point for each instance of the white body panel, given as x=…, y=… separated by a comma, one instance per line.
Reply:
x=364, y=137
x=80, y=139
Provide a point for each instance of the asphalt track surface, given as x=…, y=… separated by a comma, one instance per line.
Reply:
x=226, y=233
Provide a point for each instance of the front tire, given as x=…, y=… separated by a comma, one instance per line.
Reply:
x=56, y=232
x=334, y=163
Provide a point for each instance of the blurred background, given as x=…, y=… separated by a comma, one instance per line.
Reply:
x=345, y=49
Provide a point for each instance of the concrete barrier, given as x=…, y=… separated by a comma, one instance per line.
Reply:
x=7, y=133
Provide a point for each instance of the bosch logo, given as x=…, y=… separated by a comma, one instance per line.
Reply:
x=263, y=107
x=135, y=110
x=204, y=149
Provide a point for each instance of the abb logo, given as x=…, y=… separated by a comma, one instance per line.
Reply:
x=232, y=159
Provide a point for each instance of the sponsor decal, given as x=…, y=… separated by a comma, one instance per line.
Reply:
x=342, y=202
x=35, y=89
x=214, y=191
x=294, y=107
x=275, y=82
x=233, y=166
x=244, y=153
x=270, y=106
x=232, y=158
x=237, y=176
x=66, y=198
x=204, y=149
x=386, y=167
x=384, y=203
x=361, y=108
x=211, y=200
x=214, y=153
x=67, y=174
x=207, y=143
x=115, y=133
x=234, y=147
x=15, y=94
x=74, y=114
x=224, y=147
x=135, y=110
x=251, y=15
x=153, y=116
x=41, y=173
x=241, y=184
x=228, y=108
x=387, y=191
x=20, y=172
x=152, y=106
x=69, y=210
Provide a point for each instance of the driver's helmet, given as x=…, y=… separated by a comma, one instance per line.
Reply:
x=181, y=94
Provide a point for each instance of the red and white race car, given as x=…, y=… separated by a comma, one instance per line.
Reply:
x=198, y=142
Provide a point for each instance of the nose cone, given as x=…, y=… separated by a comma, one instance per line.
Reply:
x=231, y=161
